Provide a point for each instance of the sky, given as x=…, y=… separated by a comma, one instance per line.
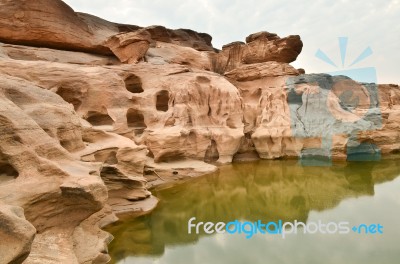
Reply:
x=373, y=23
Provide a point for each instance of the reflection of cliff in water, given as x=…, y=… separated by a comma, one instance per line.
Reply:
x=265, y=190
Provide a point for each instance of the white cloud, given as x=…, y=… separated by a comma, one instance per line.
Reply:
x=319, y=22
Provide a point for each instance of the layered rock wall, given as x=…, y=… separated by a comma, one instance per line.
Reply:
x=93, y=113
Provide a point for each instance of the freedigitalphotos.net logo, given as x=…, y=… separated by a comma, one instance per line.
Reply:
x=283, y=229
x=343, y=102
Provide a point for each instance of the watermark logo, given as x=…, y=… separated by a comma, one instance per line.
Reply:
x=283, y=229
x=339, y=104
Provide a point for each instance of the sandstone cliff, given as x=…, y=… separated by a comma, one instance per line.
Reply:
x=93, y=113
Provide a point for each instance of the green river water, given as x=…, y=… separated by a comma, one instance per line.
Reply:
x=356, y=192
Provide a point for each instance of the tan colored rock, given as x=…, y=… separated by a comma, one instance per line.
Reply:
x=264, y=49
x=130, y=47
x=174, y=112
x=122, y=164
x=53, y=24
x=50, y=23
x=261, y=70
x=270, y=120
x=387, y=138
x=162, y=53
x=85, y=236
x=270, y=115
x=181, y=37
x=16, y=234
x=189, y=121
x=260, y=47
x=121, y=159
x=83, y=136
x=18, y=52
x=48, y=179
x=261, y=35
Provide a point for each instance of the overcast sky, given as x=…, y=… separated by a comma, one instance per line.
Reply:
x=319, y=23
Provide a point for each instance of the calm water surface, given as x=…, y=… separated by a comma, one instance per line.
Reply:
x=357, y=192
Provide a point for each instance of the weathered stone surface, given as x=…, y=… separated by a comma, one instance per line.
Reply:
x=260, y=47
x=83, y=136
x=130, y=47
x=174, y=112
x=387, y=137
x=264, y=49
x=261, y=70
x=49, y=23
x=53, y=24
x=18, y=52
x=122, y=164
x=261, y=35
x=181, y=37
x=48, y=179
x=286, y=115
x=16, y=234
x=85, y=236
x=164, y=53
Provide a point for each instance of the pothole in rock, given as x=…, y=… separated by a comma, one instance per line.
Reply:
x=7, y=172
x=162, y=101
x=99, y=119
x=212, y=154
x=72, y=96
x=133, y=84
x=135, y=120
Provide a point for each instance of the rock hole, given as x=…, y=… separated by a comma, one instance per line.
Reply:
x=247, y=135
x=212, y=154
x=190, y=121
x=135, y=120
x=162, y=101
x=133, y=84
x=7, y=171
x=99, y=119
x=150, y=154
x=71, y=96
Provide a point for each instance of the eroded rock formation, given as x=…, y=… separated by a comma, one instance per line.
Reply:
x=260, y=47
x=94, y=113
x=16, y=234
